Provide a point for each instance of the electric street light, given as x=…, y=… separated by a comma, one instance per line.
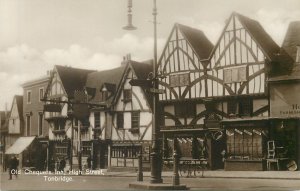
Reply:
x=155, y=154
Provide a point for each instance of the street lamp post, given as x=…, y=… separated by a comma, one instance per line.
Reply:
x=155, y=155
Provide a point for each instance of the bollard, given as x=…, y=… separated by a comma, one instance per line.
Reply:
x=140, y=168
x=175, y=168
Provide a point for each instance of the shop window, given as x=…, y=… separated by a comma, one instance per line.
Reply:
x=126, y=151
x=135, y=119
x=244, y=143
x=185, y=110
x=120, y=120
x=86, y=148
x=61, y=149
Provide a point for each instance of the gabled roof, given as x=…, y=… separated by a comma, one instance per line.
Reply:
x=279, y=61
x=109, y=78
x=142, y=70
x=292, y=39
x=260, y=35
x=19, y=102
x=197, y=39
x=294, y=75
x=289, y=47
x=72, y=78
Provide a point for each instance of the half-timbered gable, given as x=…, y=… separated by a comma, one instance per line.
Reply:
x=242, y=61
x=63, y=127
x=238, y=62
x=132, y=118
x=181, y=63
x=132, y=102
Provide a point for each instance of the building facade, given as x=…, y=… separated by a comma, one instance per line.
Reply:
x=4, y=116
x=63, y=125
x=35, y=124
x=284, y=105
x=217, y=99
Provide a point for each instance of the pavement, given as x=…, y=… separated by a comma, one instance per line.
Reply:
x=105, y=180
x=293, y=175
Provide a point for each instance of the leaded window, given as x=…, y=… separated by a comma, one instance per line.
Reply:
x=120, y=120
x=135, y=119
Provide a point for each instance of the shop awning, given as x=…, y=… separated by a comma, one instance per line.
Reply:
x=20, y=145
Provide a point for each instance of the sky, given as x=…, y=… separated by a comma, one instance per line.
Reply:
x=35, y=35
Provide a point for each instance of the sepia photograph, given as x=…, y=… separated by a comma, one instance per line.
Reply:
x=150, y=95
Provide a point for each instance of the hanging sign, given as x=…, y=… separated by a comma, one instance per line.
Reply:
x=238, y=131
x=247, y=132
x=256, y=132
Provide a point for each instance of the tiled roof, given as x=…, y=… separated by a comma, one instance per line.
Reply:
x=19, y=100
x=294, y=75
x=142, y=69
x=289, y=47
x=260, y=35
x=292, y=39
x=197, y=39
x=107, y=77
x=72, y=78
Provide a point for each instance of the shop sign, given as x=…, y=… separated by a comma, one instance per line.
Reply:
x=285, y=100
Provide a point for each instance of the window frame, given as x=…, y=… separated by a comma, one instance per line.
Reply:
x=135, y=119
x=41, y=96
x=40, y=123
x=29, y=95
x=28, y=127
x=120, y=120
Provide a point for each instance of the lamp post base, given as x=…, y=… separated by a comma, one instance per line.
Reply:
x=159, y=186
x=155, y=168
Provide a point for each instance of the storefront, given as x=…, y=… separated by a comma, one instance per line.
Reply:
x=195, y=144
x=99, y=154
x=246, y=142
x=125, y=153
x=285, y=117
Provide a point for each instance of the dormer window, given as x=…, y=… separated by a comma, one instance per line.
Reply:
x=104, y=93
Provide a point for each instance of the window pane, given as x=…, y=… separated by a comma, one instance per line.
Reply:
x=135, y=119
x=120, y=120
